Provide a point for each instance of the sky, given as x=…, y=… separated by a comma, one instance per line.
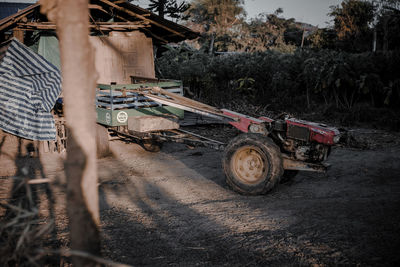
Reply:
x=309, y=11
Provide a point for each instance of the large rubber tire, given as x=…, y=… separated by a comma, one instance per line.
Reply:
x=102, y=142
x=151, y=145
x=252, y=164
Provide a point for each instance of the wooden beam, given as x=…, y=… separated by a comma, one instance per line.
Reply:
x=107, y=26
x=10, y=20
x=123, y=23
x=129, y=12
x=94, y=6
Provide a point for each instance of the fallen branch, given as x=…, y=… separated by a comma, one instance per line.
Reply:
x=29, y=181
x=39, y=181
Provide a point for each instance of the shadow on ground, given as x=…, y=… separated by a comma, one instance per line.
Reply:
x=171, y=209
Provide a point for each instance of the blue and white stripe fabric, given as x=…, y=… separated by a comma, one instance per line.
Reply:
x=29, y=87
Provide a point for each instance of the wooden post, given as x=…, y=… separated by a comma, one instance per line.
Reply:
x=79, y=82
x=302, y=37
x=211, y=49
x=18, y=34
x=385, y=33
x=374, y=40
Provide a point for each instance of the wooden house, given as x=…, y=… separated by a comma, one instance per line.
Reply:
x=123, y=35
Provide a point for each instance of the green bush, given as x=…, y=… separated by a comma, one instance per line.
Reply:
x=305, y=80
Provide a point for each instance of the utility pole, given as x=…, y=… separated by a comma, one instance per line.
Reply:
x=302, y=37
x=374, y=40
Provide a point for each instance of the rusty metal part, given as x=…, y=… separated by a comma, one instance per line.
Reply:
x=288, y=144
x=291, y=164
x=258, y=128
x=177, y=136
x=243, y=122
x=249, y=164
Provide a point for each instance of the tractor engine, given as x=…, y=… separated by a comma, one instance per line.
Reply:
x=273, y=151
x=303, y=140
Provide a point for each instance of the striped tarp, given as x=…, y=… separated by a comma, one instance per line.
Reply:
x=29, y=87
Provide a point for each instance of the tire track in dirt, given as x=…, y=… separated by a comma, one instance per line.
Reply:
x=179, y=208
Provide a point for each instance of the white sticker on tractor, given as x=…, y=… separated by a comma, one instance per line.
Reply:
x=122, y=117
x=108, y=118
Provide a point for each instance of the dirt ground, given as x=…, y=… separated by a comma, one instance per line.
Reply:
x=174, y=208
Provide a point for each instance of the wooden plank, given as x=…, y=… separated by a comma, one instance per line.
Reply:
x=185, y=100
x=52, y=146
x=127, y=23
x=122, y=55
x=122, y=23
x=92, y=6
x=45, y=146
x=132, y=105
x=217, y=114
x=151, y=123
x=123, y=99
x=147, y=85
x=104, y=86
x=100, y=26
x=39, y=181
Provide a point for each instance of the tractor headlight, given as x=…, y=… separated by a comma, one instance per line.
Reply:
x=336, y=139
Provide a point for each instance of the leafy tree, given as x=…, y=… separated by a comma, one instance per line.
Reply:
x=323, y=39
x=351, y=23
x=169, y=8
x=269, y=31
x=225, y=29
x=218, y=16
x=361, y=26
x=386, y=24
x=388, y=4
x=388, y=30
x=218, y=20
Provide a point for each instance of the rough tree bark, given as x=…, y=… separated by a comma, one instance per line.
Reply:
x=385, y=33
x=79, y=81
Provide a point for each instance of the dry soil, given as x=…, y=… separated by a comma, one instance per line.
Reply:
x=174, y=208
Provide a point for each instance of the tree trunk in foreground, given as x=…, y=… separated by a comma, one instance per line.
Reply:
x=79, y=81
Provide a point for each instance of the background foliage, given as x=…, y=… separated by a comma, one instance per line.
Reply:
x=323, y=81
x=348, y=72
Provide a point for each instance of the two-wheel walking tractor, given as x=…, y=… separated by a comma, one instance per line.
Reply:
x=268, y=150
